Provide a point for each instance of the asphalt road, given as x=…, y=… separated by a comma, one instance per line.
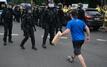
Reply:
x=95, y=52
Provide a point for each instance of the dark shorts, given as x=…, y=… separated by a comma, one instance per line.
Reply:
x=77, y=46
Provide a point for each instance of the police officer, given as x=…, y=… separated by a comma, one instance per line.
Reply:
x=48, y=22
x=28, y=28
x=81, y=13
x=36, y=15
x=3, y=7
x=7, y=16
x=60, y=18
x=17, y=13
x=42, y=11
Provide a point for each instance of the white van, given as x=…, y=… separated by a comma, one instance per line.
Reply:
x=1, y=9
x=2, y=2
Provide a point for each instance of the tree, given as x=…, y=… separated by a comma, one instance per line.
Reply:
x=18, y=1
x=38, y=2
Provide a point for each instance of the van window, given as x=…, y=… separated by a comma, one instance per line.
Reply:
x=1, y=5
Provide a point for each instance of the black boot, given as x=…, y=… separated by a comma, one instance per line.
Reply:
x=5, y=43
x=44, y=46
x=34, y=48
x=10, y=41
x=52, y=44
x=22, y=47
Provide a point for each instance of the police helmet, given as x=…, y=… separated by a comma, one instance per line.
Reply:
x=80, y=5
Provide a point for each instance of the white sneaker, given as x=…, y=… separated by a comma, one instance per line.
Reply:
x=70, y=59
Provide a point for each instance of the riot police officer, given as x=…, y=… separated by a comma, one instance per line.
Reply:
x=49, y=25
x=28, y=28
x=3, y=7
x=7, y=16
x=81, y=13
x=36, y=14
x=60, y=18
x=17, y=13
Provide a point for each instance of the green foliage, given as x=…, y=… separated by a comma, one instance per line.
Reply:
x=19, y=1
x=57, y=1
x=38, y=2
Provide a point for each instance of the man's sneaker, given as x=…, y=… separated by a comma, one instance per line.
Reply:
x=34, y=48
x=22, y=47
x=70, y=59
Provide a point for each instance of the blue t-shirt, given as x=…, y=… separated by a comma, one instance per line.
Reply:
x=76, y=27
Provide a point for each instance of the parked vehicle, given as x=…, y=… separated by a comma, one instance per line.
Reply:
x=94, y=19
x=1, y=9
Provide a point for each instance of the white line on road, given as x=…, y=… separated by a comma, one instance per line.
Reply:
x=101, y=40
x=61, y=37
x=12, y=34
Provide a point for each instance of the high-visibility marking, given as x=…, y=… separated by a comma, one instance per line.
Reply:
x=12, y=34
x=101, y=40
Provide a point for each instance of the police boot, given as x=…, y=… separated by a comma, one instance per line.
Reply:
x=22, y=47
x=10, y=41
x=34, y=48
x=51, y=44
x=44, y=46
x=5, y=43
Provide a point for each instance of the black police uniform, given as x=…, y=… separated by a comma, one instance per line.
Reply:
x=41, y=14
x=49, y=25
x=7, y=16
x=60, y=20
x=17, y=13
x=36, y=16
x=28, y=28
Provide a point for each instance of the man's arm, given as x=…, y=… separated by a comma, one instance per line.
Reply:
x=87, y=32
x=65, y=32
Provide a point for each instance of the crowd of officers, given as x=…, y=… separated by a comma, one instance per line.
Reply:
x=103, y=11
x=51, y=19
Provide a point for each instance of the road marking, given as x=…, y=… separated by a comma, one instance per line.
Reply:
x=12, y=34
x=101, y=40
x=61, y=37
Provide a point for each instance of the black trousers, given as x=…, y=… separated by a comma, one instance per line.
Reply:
x=18, y=19
x=28, y=34
x=7, y=32
x=48, y=30
x=59, y=28
x=77, y=46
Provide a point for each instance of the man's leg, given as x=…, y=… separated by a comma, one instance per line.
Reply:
x=52, y=30
x=23, y=42
x=5, y=35
x=77, y=52
x=81, y=59
x=33, y=40
x=46, y=31
x=10, y=34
